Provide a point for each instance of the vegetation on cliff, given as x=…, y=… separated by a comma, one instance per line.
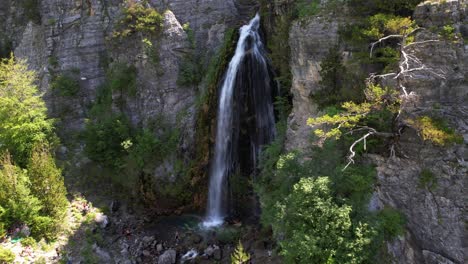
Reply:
x=32, y=191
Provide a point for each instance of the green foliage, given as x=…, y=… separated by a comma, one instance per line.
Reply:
x=138, y=16
x=47, y=183
x=23, y=114
x=448, y=32
x=371, y=7
x=106, y=131
x=31, y=10
x=15, y=197
x=391, y=222
x=6, y=46
x=435, y=130
x=307, y=8
x=53, y=61
x=122, y=78
x=280, y=50
x=148, y=147
x=152, y=52
x=239, y=256
x=381, y=25
x=6, y=255
x=334, y=83
x=316, y=229
x=354, y=114
x=355, y=186
x=206, y=104
x=104, y=139
x=65, y=85
x=191, y=68
x=20, y=204
x=349, y=189
x=427, y=180
x=28, y=241
x=228, y=235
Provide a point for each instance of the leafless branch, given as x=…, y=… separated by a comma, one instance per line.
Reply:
x=382, y=40
x=351, y=149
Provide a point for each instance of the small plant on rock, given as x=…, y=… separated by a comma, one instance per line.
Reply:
x=138, y=16
x=239, y=256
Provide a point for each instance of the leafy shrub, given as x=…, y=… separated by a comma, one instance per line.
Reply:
x=47, y=183
x=371, y=7
x=28, y=241
x=316, y=230
x=53, y=61
x=31, y=10
x=44, y=227
x=332, y=83
x=427, y=180
x=153, y=54
x=146, y=144
x=307, y=8
x=138, y=16
x=391, y=222
x=6, y=255
x=239, y=256
x=122, y=78
x=436, y=130
x=228, y=235
x=18, y=203
x=103, y=139
x=448, y=32
x=65, y=85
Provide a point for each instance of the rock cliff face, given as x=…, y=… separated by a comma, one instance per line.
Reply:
x=310, y=42
x=436, y=216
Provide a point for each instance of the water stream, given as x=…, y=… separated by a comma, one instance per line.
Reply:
x=247, y=85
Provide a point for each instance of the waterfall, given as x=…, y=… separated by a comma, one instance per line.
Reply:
x=247, y=84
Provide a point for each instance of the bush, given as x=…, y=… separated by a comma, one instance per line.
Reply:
x=315, y=229
x=138, y=16
x=6, y=255
x=448, y=32
x=65, y=85
x=392, y=222
x=122, y=78
x=31, y=10
x=47, y=183
x=44, y=227
x=28, y=241
x=228, y=235
x=307, y=8
x=371, y=7
x=427, y=180
x=435, y=130
x=19, y=205
x=104, y=139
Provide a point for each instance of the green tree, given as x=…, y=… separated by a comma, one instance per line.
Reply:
x=317, y=230
x=239, y=256
x=23, y=114
x=19, y=205
x=47, y=183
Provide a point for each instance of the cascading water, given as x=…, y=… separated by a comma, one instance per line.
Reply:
x=247, y=89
